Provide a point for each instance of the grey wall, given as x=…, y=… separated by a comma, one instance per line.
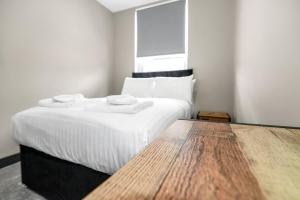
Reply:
x=51, y=47
x=267, y=87
x=211, y=51
x=123, y=48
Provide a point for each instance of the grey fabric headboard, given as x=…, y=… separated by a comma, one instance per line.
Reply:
x=178, y=73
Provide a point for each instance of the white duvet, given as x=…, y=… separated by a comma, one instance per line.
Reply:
x=101, y=141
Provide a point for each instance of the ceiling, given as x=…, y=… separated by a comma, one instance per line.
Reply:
x=118, y=5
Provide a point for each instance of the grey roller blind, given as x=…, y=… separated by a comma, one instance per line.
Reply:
x=161, y=29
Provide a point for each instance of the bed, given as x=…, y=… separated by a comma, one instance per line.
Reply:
x=67, y=153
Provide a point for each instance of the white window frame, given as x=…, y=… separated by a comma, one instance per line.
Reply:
x=163, y=63
x=139, y=60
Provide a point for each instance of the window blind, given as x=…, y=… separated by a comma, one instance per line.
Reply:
x=161, y=29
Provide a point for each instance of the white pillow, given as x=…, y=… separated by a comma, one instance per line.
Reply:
x=138, y=87
x=174, y=87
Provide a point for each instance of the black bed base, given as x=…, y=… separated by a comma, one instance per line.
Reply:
x=176, y=73
x=57, y=179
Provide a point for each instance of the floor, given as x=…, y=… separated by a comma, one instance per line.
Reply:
x=11, y=187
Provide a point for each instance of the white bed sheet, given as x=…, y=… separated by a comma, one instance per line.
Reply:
x=101, y=141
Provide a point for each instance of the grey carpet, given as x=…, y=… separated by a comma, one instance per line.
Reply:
x=11, y=187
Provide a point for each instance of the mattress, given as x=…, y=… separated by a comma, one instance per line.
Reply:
x=101, y=141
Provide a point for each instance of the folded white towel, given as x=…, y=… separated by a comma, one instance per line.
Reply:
x=121, y=100
x=68, y=98
x=127, y=109
x=50, y=103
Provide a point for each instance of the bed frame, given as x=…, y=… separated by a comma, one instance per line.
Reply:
x=178, y=73
x=57, y=179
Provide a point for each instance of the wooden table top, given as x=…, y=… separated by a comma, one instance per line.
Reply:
x=214, y=114
x=204, y=160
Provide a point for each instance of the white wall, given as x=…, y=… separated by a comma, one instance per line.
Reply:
x=211, y=51
x=267, y=87
x=47, y=48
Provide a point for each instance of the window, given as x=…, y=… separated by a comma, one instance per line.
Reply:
x=161, y=37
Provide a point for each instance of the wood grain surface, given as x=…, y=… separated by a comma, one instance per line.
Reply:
x=204, y=160
x=274, y=157
x=211, y=166
x=213, y=114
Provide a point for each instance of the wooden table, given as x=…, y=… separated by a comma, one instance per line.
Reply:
x=214, y=116
x=204, y=160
